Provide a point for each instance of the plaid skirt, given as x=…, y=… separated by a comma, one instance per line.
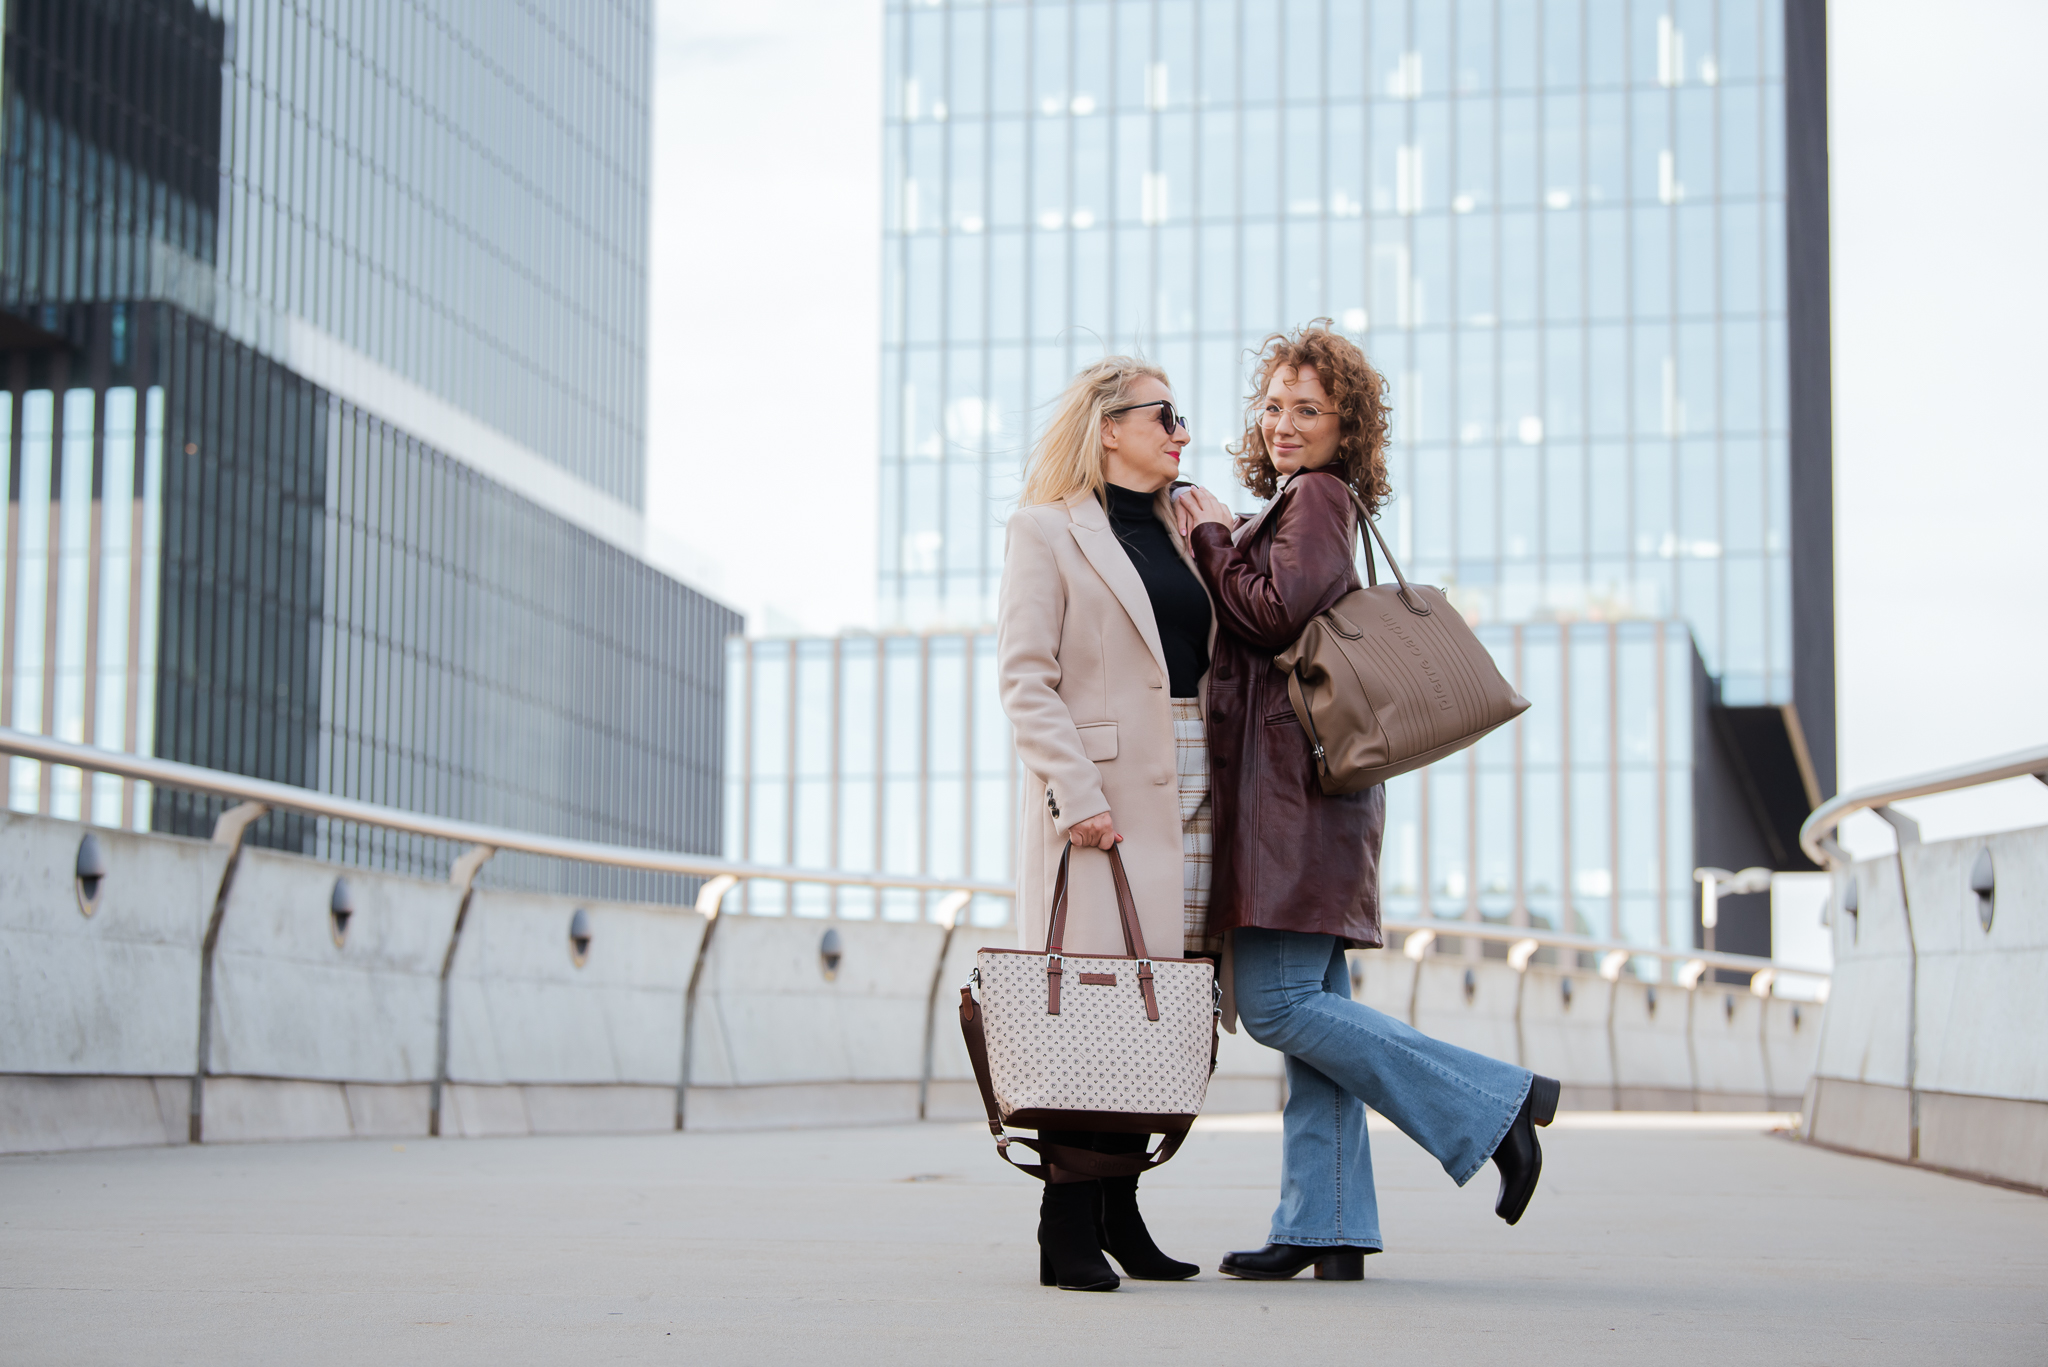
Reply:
x=1197, y=849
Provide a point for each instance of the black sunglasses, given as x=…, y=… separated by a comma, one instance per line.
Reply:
x=1168, y=418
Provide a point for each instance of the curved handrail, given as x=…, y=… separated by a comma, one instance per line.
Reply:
x=172, y=774
x=1558, y=940
x=1816, y=834
x=283, y=796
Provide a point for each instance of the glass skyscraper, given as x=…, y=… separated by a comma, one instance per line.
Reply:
x=1584, y=240
x=323, y=330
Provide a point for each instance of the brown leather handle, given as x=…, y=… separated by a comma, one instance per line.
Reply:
x=1126, y=907
x=1368, y=524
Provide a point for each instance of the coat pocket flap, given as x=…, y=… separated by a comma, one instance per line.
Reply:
x=1098, y=740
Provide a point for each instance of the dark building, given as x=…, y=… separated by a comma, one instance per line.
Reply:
x=324, y=343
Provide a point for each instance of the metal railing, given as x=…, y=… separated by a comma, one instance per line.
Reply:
x=284, y=797
x=1817, y=833
x=1610, y=957
x=254, y=797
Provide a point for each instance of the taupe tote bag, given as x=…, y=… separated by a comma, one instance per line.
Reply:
x=1097, y=1042
x=1390, y=679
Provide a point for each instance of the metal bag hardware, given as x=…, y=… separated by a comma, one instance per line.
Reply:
x=1390, y=679
x=1133, y=1053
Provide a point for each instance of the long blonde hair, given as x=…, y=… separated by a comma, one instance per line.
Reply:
x=1067, y=458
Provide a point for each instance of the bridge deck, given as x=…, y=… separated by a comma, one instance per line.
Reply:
x=1650, y=1243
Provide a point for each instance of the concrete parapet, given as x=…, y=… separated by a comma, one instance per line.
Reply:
x=1564, y=1033
x=1728, y=1048
x=53, y=1113
x=116, y=992
x=769, y=1014
x=1995, y=1136
x=1979, y=998
x=1383, y=979
x=476, y=1112
x=1652, y=1047
x=261, y=1109
x=1469, y=1003
x=1791, y=1040
x=1868, y=1028
x=293, y=1000
x=325, y=1030
x=523, y=1009
x=1933, y=1047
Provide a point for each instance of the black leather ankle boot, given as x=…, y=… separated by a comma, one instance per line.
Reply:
x=1127, y=1240
x=1519, y=1157
x=1069, y=1238
x=1278, y=1262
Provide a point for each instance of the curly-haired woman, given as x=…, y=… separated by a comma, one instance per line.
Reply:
x=1296, y=875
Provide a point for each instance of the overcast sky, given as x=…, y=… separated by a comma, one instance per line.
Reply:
x=762, y=400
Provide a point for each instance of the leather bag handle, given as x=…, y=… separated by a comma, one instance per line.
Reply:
x=1369, y=532
x=1127, y=914
x=1126, y=907
x=1369, y=524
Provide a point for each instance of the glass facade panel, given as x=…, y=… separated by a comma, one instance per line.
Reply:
x=918, y=777
x=471, y=220
x=1559, y=232
x=213, y=557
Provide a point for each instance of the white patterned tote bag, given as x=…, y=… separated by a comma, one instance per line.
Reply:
x=1090, y=1042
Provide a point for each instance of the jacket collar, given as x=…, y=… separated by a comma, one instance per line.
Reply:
x=1250, y=527
x=1089, y=526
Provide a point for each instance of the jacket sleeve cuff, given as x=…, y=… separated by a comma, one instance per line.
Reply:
x=1091, y=803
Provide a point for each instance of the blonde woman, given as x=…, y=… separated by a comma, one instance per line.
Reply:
x=1103, y=639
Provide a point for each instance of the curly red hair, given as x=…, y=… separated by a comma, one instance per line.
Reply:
x=1358, y=391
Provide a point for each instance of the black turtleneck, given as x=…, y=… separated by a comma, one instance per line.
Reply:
x=1179, y=605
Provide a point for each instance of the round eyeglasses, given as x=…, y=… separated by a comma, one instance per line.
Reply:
x=1305, y=415
x=1169, y=418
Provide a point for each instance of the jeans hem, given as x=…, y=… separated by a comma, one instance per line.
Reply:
x=1507, y=1125
x=1305, y=1241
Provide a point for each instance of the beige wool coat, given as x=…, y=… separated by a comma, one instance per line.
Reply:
x=1083, y=680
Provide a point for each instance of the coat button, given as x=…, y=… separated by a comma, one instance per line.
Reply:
x=1220, y=761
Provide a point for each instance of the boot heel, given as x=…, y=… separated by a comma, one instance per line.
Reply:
x=1045, y=1276
x=1347, y=1266
x=1543, y=1096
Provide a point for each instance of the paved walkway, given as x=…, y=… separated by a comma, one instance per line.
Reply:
x=1650, y=1241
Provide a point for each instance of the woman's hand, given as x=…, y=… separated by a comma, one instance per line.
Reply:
x=1192, y=507
x=1098, y=832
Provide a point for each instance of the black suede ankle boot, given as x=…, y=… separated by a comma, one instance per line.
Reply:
x=1127, y=1240
x=1069, y=1246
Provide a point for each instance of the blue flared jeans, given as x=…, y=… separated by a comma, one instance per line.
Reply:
x=1294, y=995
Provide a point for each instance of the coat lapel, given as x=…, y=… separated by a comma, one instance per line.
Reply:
x=1091, y=531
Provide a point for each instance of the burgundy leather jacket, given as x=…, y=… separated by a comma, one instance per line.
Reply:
x=1287, y=857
